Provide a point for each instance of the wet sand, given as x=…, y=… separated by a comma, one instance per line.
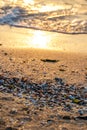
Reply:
x=72, y=67
x=18, y=113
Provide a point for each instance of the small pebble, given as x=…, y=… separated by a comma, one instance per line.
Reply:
x=66, y=117
x=64, y=128
x=1, y=81
x=5, y=54
x=80, y=112
x=71, y=97
x=11, y=128
x=20, y=95
x=2, y=122
x=13, y=111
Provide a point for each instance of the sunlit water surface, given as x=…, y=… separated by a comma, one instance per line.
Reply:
x=64, y=16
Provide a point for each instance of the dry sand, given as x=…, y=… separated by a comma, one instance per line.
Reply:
x=27, y=62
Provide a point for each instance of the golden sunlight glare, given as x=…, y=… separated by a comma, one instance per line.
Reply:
x=28, y=1
x=50, y=8
x=13, y=1
x=39, y=40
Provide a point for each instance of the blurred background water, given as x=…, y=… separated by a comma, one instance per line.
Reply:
x=65, y=16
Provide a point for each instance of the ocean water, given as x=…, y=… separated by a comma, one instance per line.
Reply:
x=64, y=16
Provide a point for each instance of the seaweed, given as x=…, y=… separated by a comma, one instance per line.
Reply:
x=49, y=60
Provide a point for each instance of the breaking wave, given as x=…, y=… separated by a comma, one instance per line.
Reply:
x=65, y=18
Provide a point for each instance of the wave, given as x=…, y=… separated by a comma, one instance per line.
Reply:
x=61, y=20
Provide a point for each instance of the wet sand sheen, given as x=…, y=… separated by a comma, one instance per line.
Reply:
x=11, y=37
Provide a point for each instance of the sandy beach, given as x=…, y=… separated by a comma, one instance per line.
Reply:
x=63, y=68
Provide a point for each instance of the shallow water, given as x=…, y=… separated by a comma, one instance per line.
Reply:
x=65, y=16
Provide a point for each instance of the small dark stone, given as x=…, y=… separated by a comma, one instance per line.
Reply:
x=24, y=79
x=69, y=106
x=15, y=79
x=66, y=117
x=52, y=129
x=49, y=60
x=27, y=119
x=59, y=80
x=52, y=116
x=82, y=117
x=2, y=122
x=11, y=128
x=59, y=116
x=13, y=112
x=7, y=98
x=1, y=81
x=80, y=112
x=50, y=121
x=64, y=128
x=5, y=54
x=28, y=112
x=62, y=70
x=1, y=106
x=25, y=109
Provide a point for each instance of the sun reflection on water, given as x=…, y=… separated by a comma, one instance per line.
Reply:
x=38, y=6
x=26, y=2
x=50, y=8
x=39, y=40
